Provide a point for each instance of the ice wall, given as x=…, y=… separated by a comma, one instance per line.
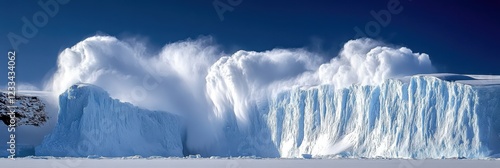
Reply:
x=424, y=117
x=92, y=123
x=415, y=117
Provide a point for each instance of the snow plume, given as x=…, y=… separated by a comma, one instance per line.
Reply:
x=234, y=82
x=369, y=62
x=172, y=80
x=195, y=79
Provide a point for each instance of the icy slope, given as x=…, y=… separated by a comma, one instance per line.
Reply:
x=416, y=117
x=92, y=123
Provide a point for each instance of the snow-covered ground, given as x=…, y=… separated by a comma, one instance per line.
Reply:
x=244, y=163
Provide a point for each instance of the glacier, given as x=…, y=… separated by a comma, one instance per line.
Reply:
x=421, y=116
x=417, y=117
x=90, y=123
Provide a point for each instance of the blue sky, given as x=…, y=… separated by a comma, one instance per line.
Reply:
x=460, y=37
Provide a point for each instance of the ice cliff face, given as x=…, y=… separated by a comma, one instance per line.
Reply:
x=415, y=117
x=424, y=117
x=92, y=123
